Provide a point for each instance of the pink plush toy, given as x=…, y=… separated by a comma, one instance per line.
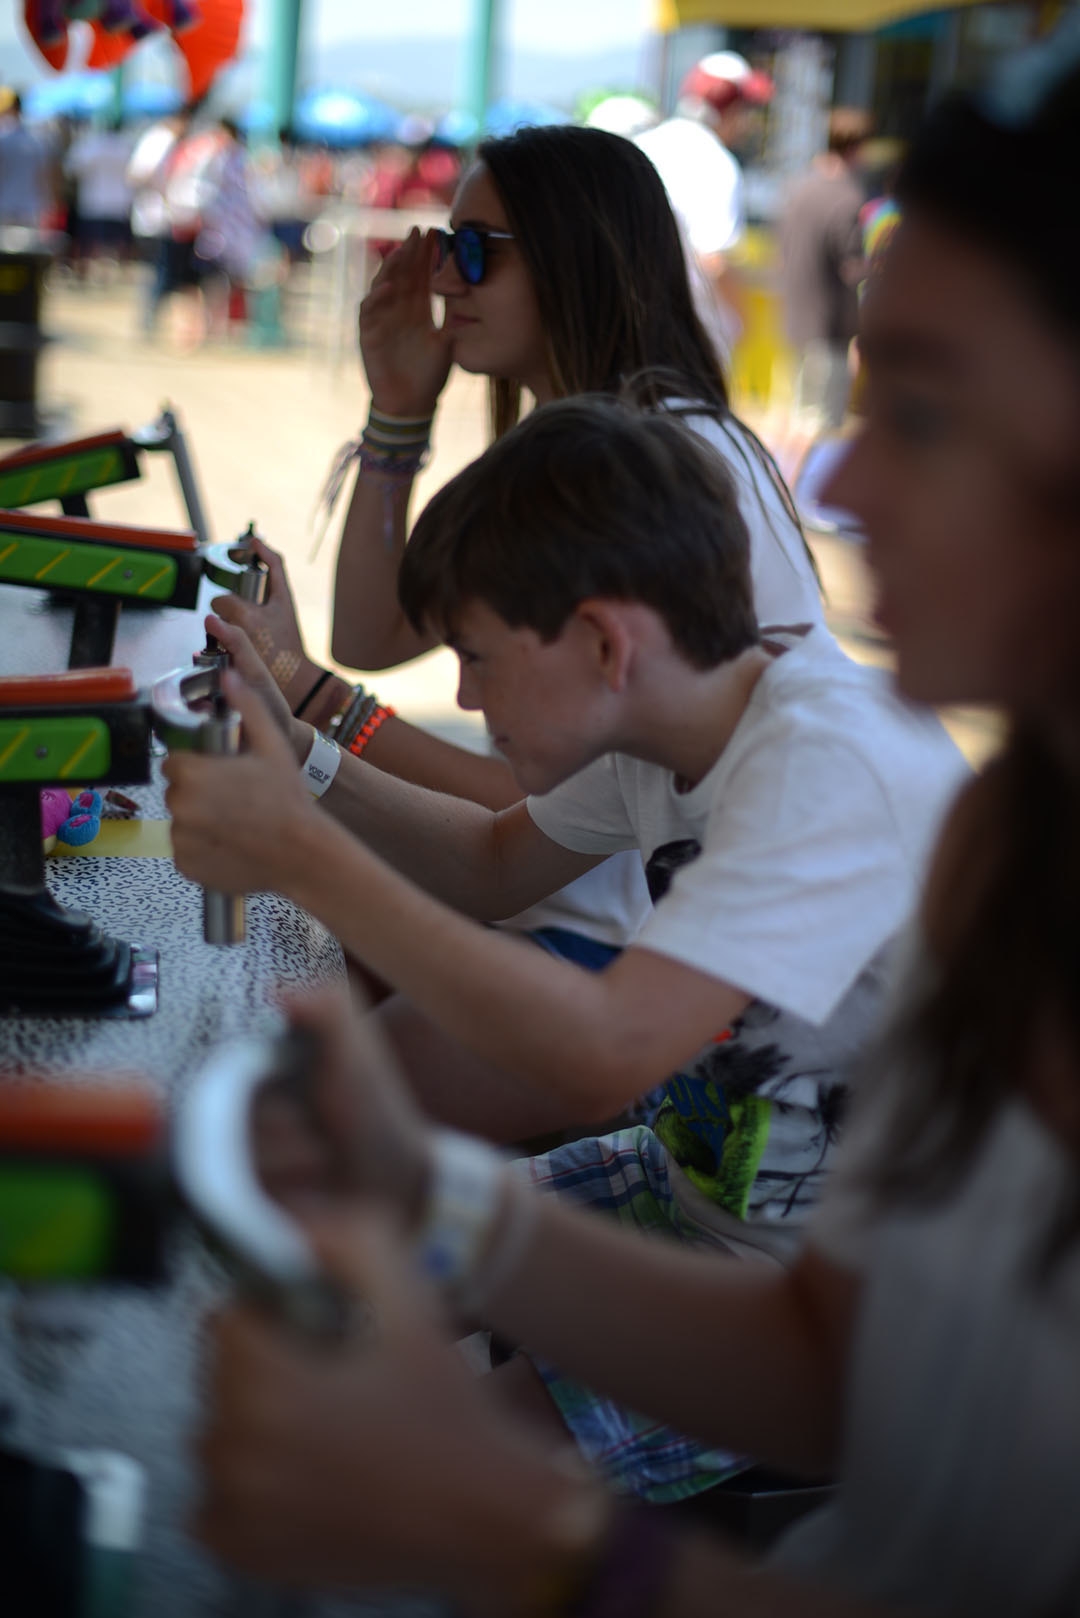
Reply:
x=71, y=821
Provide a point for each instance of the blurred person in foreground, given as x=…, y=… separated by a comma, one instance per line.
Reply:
x=926, y=1346
x=25, y=162
x=821, y=265
x=694, y=154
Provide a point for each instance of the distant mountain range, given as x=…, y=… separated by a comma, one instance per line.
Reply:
x=429, y=74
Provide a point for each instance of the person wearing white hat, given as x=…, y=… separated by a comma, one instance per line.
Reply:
x=692, y=154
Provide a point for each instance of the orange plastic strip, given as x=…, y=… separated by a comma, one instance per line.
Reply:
x=55, y=452
x=87, y=1119
x=102, y=533
x=71, y=686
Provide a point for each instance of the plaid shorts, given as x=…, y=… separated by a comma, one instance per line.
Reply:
x=626, y=1175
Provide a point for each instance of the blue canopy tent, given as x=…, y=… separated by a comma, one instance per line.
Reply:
x=72, y=95
x=503, y=117
x=343, y=118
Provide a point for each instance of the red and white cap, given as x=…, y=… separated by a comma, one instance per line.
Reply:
x=724, y=78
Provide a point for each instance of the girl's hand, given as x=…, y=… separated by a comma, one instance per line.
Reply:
x=273, y=629
x=355, y=1135
x=406, y=356
x=383, y=1463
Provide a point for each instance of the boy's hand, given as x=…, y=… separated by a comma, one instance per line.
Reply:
x=273, y=629
x=237, y=823
x=252, y=668
x=406, y=356
x=354, y=1134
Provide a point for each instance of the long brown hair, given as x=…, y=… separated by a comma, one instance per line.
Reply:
x=1003, y=910
x=593, y=222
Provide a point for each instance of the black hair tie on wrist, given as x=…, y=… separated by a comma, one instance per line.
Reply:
x=313, y=693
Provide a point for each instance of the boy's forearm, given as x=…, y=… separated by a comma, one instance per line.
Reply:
x=522, y=1010
x=447, y=845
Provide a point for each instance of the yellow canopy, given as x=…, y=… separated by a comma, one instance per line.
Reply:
x=821, y=15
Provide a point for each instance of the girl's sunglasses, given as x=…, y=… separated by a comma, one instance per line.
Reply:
x=469, y=249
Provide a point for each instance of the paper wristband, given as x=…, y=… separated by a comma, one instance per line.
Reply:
x=321, y=765
x=461, y=1207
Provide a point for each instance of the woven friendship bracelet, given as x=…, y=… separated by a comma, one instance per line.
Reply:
x=394, y=446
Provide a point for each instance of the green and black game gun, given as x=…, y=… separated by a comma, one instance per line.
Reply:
x=90, y=727
x=71, y=470
x=103, y=565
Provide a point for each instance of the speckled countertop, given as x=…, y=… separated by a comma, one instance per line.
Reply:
x=128, y=1379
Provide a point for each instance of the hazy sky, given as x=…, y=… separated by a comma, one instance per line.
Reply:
x=554, y=25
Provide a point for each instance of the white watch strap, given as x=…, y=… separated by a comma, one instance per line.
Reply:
x=321, y=765
x=461, y=1207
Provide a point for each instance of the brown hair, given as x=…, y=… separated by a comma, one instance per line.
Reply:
x=588, y=497
x=593, y=223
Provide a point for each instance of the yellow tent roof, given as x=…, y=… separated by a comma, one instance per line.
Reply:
x=826, y=15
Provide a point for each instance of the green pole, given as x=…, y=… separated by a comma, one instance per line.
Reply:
x=279, y=69
x=480, y=68
x=116, y=84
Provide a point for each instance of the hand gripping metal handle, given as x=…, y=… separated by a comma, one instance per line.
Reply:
x=215, y=1174
x=190, y=711
x=236, y=567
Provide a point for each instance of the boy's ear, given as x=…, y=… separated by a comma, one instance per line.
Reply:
x=606, y=627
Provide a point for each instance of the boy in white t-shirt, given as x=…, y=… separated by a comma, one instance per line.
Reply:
x=590, y=570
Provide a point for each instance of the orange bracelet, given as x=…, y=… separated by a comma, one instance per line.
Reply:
x=369, y=727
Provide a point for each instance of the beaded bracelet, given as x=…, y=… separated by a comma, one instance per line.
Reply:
x=379, y=715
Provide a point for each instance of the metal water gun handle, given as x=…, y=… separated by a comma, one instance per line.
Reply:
x=236, y=568
x=217, y=732
x=215, y=1174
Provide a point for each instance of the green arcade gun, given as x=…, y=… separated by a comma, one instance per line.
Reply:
x=71, y=470
x=102, y=565
x=89, y=727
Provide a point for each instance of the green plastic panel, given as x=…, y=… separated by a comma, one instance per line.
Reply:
x=55, y=1223
x=73, y=474
x=71, y=747
x=75, y=565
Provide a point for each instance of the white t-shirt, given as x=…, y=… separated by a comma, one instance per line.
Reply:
x=610, y=904
x=703, y=182
x=99, y=162
x=960, y=1489
x=785, y=872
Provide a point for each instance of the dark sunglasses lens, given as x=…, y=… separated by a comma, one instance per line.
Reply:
x=469, y=255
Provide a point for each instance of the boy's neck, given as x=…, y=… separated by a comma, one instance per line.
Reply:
x=685, y=720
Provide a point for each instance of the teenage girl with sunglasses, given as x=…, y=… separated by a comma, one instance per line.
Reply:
x=925, y=1349
x=563, y=273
